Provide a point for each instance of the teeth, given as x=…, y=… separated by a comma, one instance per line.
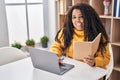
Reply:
x=78, y=24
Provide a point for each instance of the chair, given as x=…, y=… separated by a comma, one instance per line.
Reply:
x=110, y=65
x=10, y=54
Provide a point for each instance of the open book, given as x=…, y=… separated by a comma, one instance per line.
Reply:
x=82, y=49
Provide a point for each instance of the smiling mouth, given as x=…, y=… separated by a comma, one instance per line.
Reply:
x=78, y=24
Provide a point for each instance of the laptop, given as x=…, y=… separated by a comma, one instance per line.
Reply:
x=48, y=61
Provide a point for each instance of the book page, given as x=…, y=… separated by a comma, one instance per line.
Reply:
x=82, y=49
x=95, y=44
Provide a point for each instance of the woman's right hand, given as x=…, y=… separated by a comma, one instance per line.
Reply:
x=60, y=61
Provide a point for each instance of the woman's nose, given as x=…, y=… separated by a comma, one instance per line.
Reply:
x=78, y=20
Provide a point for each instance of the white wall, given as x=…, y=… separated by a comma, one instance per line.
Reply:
x=3, y=26
x=50, y=20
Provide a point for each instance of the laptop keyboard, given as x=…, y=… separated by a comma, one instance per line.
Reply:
x=63, y=68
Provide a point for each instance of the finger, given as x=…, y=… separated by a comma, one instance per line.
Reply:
x=89, y=61
x=61, y=62
x=90, y=56
x=91, y=64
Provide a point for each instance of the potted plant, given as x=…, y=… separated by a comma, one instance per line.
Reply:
x=44, y=41
x=30, y=42
x=17, y=45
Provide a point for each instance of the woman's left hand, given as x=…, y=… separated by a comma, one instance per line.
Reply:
x=90, y=60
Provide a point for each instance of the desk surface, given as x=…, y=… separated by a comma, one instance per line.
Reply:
x=23, y=70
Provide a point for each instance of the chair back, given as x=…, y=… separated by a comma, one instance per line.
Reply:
x=110, y=65
x=10, y=54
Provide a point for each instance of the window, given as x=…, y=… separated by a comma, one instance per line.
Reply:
x=25, y=20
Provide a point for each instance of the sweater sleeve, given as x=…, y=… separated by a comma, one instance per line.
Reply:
x=102, y=60
x=56, y=47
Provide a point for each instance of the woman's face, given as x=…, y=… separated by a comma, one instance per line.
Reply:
x=77, y=19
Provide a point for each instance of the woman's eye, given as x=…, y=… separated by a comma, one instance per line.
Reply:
x=81, y=17
x=73, y=17
x=77, y=17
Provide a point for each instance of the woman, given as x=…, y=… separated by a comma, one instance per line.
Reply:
x=82, y=23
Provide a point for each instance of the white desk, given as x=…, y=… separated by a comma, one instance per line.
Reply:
x=23, y=70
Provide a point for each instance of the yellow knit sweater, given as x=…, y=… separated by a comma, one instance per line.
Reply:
x=79, y=36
